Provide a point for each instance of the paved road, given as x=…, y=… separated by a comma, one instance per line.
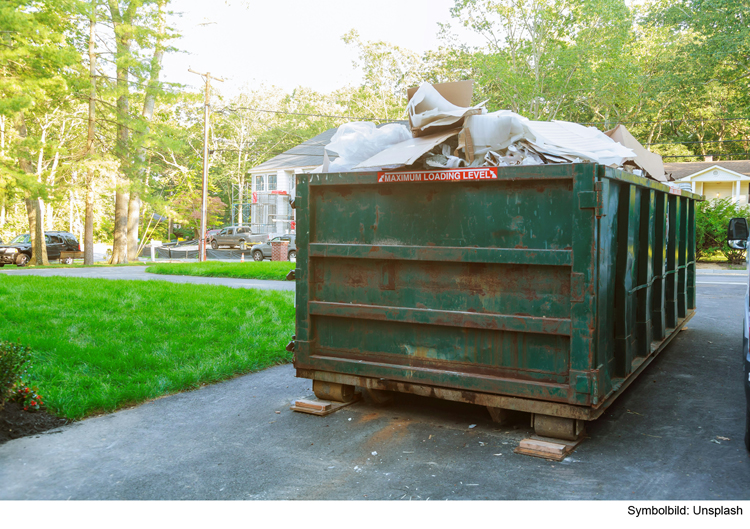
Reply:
x=139, y=273
x=722, y=277
x=239, y=440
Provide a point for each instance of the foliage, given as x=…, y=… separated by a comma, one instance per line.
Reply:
x=101, y=345
x=547, y=59
x=276, y=270
x=711, y=221
x=188, y=207
x=14, y=363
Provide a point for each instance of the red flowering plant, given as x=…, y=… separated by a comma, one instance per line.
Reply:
x=28, y=397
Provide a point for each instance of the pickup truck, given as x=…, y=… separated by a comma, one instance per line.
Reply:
x=18, y=251
x=738, y=234
x=237, y=236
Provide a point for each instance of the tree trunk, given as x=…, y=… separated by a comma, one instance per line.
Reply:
x=170, y=230
x=39, y=254
x=32, y=220
x=34, y=210
x=88, y=235
x=120, y=247
x=134, y=213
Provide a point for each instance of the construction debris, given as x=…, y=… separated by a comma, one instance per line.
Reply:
x=447, y=132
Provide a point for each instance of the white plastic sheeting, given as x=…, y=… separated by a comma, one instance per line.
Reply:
x=562, y=140
x=358, y=141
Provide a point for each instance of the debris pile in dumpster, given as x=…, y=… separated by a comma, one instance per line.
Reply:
x=446, y=132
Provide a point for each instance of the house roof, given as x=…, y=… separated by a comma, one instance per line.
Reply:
x=680, y=170
x=307, y=154
x=715, y=173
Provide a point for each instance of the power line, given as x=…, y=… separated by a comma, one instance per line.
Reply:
x=699, y=155
x=662, y=121
x=309, y=115
x=691, y=142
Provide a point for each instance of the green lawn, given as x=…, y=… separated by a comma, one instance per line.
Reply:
x=100, y=345
x=248, y=270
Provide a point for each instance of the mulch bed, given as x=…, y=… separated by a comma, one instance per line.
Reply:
x=15, y=423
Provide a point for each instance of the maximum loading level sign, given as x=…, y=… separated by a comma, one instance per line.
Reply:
x=449, y=175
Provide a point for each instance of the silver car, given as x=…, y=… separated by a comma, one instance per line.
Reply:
x=237, y=236
x=263, y=251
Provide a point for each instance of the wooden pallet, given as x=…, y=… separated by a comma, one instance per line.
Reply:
x=316, y=406
x=547, y=447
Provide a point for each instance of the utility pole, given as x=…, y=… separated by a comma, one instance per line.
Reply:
x=204, y=213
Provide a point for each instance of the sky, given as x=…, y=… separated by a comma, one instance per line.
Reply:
x=291, y=43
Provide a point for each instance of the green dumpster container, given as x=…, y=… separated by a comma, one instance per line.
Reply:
x=545, y=289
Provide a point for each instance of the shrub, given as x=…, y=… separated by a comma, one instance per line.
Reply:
x=711, y=220
x=14, y=359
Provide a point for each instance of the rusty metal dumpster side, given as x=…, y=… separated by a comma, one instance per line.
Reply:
x=646, y=272
x=546, y=289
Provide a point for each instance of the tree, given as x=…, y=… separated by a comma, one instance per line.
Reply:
x=547, y=59
x=37, y=60
x=188, y=204
x=387, y=72
x=701, y=85
x=133, y=23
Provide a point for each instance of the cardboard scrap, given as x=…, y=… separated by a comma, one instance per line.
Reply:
x=439, y=107
x=651, y=163
x=407, y=152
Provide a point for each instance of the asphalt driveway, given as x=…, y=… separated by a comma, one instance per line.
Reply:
x=238, y=440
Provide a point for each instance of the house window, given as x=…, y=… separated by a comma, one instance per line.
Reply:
x=272, y=182
x=259, y=182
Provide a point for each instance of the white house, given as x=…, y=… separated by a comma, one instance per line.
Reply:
x=271, y=184
x=722, y=179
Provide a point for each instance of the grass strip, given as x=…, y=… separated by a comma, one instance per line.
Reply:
x=101, y=264
x=249, y=270
x=100, y=345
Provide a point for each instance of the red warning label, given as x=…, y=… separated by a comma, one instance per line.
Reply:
x=447, y=175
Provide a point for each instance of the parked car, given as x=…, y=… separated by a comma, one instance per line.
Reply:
x=237, y=236
x=210, y=235
x=263, y=251
x=738, y=234
x=18, y=251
